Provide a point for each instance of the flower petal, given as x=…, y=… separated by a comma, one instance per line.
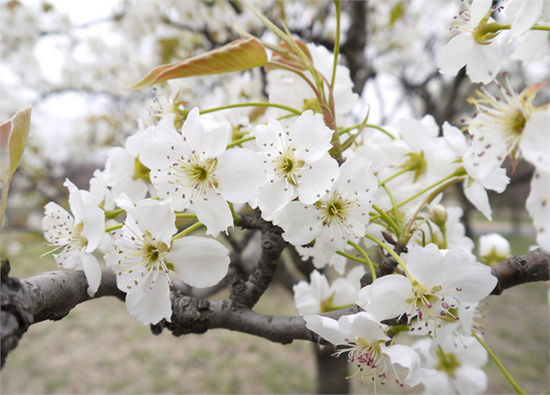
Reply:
x=213, y=211
x=386, y=297
x=150, y=302
x=240, y=174
x=327, y=328
x=199, y=261
x=92, y=270
x=310, y=137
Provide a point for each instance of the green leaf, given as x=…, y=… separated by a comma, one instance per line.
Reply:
x=236, y=56
x=13, y=140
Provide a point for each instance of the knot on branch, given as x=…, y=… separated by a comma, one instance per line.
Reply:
x=238, y=291
x=516, y=270
x=16, y=311
x=189, y=315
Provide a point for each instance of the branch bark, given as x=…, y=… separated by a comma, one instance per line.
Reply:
x=52, y=295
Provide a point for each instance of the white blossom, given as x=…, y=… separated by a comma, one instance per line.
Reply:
x=318, y=296
x=339, y=215
x=364, y=339
x=296, y=160
x=76, y=235
x=143, y=253
x=195, y=170
x=437, y=283
x=458, y=361
x=472, y=47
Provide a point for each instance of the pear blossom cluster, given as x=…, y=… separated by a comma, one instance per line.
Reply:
x=344, y=195
x=477, y=45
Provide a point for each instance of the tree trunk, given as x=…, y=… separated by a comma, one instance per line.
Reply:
x=331, y=371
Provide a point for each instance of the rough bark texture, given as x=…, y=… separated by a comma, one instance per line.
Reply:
x=517, y=270
x=52, y=295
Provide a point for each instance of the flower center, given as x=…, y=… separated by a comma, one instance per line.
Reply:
x=416, y=163
x=66, y=238
x=286, y=166
x=80, y=240
x=429, y=306
x=334, y=209
x=447, y=362
x=197, y=172
x=368, y=354
x=150, y=258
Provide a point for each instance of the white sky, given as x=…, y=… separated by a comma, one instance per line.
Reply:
x=82, y=11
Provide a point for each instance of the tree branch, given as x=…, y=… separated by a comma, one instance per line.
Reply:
x=517, y=270
x=47, y=296
x=51, y=295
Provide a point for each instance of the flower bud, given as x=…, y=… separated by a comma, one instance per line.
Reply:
x=493, y=248
x=438, y=215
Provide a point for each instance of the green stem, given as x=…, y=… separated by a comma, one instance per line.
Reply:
x=390, y=251
x=110, y=214
x=388, y=219
x=395, y=211
x=429, y=199
x=4, y=205
x=240, y=141
x=186, y=215
x=428, y=188
x=494, y=27
x=368, y=125
x=113, y=227
x=539, y=27
x=365, y=257
x=252, y=104
x=402, y=171
x=337, y=5
x=187, y=230
x=351, y=257
x=518, y=389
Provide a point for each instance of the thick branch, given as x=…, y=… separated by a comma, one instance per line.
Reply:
x=47, y=296
x=517, y=270
x=52, y=295
x=246, y=294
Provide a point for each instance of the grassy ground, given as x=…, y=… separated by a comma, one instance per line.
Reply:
x=99, y=348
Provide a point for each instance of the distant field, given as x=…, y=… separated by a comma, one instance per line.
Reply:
x=99, y=348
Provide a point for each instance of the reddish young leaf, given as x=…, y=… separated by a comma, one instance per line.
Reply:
x=236, y=56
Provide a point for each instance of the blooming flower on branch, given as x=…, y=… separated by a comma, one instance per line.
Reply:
x=473, y=47
x=511, y=126
x=318, y=296
x=458, y=361
x=142, y=253
x=438, y=281
x=296, y=160
x=339, y=215
x=483, y=173
x=76, y=236
x=364, y=339
x=196, y=171
x=124, y=171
